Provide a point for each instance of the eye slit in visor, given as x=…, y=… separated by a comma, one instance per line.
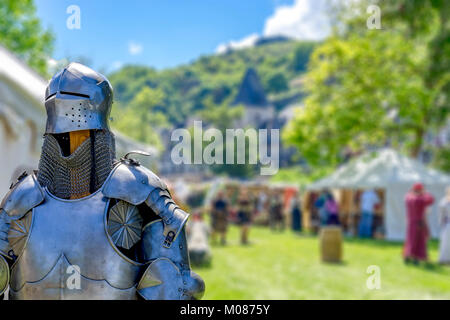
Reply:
x=53, y=94
x=76, y=94
x=70, y=93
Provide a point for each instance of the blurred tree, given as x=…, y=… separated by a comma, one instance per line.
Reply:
x=22, y=33
x=139, y=120
x=301, y=55
x=300, y=175
x=441, y=159
x=277, y=83
x=240, y=171
x=428, y=21
x=130, y=80
x=222, y=116
x=370, y=87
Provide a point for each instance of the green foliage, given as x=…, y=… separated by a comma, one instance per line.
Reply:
x=301, y=56
x=240, y=171
x=22, y=33
x=139, y=120
x=441, y=159
x=277, y=83
x=130, y=80
x=211, y=79
x=369, y=87
x=300, y=175
x=221, y=116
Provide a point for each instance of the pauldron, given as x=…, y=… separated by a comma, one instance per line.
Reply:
x=136, y=184
x=164, y=244
x=23, y=196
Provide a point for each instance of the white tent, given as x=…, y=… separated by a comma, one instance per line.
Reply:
x=388, y=170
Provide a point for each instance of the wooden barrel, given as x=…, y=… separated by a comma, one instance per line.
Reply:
x=331, y=244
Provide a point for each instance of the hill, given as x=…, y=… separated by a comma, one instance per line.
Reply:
x=215, y=78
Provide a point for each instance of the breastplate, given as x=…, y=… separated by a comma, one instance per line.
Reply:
x=68, y=253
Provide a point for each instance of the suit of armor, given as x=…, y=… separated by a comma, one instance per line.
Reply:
x=111, y=233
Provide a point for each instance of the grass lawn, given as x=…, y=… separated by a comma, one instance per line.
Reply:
x=287, y=266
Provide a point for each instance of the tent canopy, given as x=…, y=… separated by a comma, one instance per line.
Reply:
x=379, y=170
x=386, y=169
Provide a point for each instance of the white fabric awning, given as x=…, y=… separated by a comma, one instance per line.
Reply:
x=379, y=170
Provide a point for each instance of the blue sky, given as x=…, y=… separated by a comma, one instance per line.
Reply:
x=164, y=33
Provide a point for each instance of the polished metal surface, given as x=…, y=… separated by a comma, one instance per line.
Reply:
x=152, y=237
x=125, y=224
x=55, y=286
x=135, y=184
x=18, y=233
x=193, y=286
x=161, y=281
x=68, y=233
x=4, y=227
x=4, y=275
x=173, y=217
x=77, y=98
x=24, y=195
x=131, y=183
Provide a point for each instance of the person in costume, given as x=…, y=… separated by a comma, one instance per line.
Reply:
x=417, y=200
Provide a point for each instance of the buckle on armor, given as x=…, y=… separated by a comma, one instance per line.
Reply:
x=169, y=239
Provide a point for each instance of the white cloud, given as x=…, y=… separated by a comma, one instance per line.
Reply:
x=135, y=48
x=52, y=62
x=248, y=41
x=116, y=65
x=56, y=65
x=303, y=20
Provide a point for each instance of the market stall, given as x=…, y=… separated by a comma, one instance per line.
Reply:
x=393, y=175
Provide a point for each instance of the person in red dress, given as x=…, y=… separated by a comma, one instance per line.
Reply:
x=417, y=200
